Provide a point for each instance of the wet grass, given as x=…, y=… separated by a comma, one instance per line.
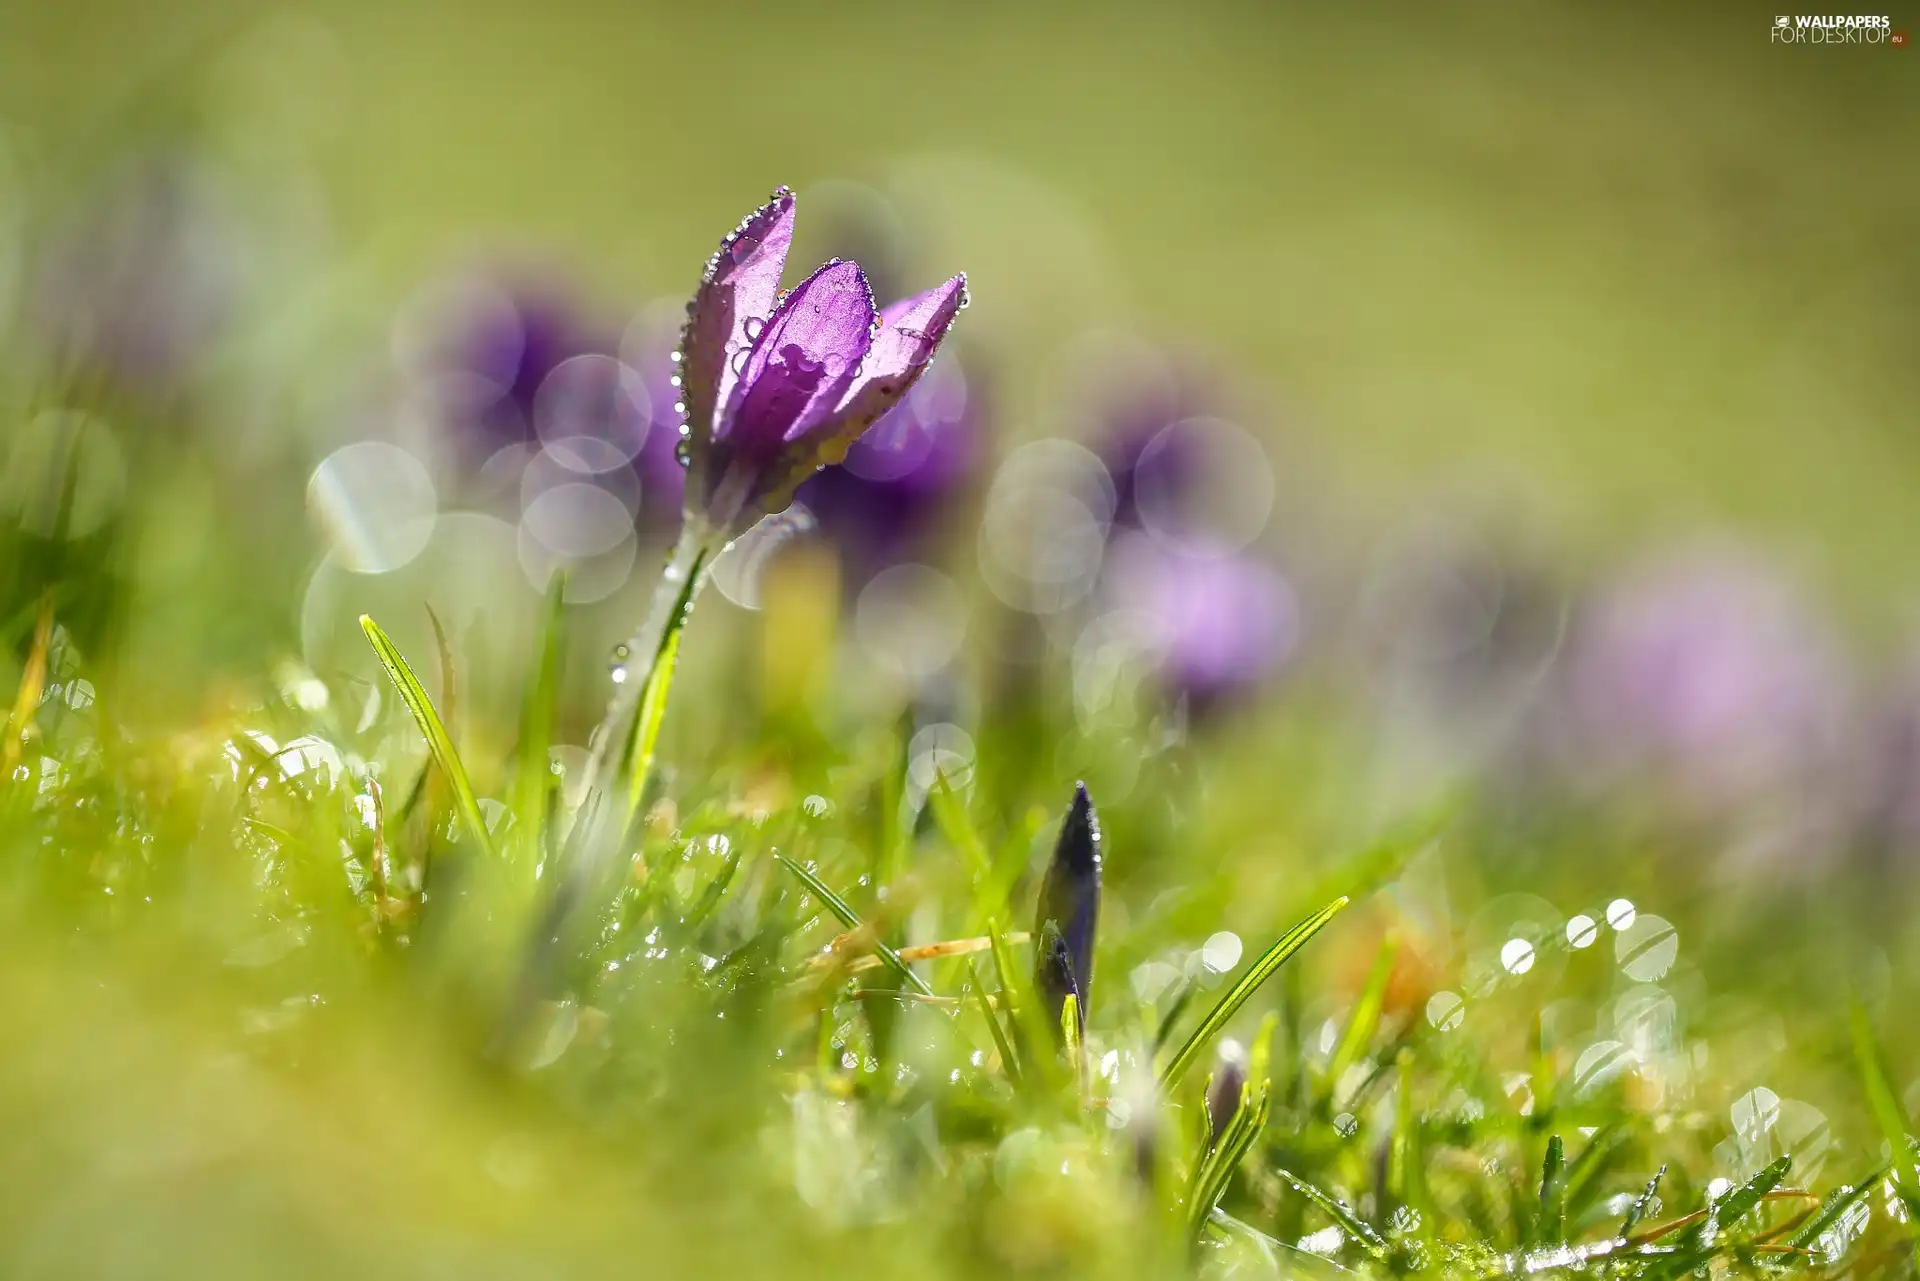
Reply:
x=287, y=986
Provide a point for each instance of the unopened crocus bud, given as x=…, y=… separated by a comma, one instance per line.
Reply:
x=1223, y=1092
x=1069, y=913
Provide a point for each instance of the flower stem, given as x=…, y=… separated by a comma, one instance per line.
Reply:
x=680, y=582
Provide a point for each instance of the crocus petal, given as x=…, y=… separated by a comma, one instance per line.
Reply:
x=1069, y=911
x=801, y=363
x=737, y=294
x=910, y=332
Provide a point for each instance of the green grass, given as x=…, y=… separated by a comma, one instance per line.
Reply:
x=690, y=1075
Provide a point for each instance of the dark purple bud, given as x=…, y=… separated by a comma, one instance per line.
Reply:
x=1069, y=913
x=1223, y=1092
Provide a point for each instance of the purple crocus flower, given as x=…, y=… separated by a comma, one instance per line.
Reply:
x=777, y=385
x=1069, y=913
x=511, y=352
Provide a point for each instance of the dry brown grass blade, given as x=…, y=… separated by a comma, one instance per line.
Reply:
x=837, y=952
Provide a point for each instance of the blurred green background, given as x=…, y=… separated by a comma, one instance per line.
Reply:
x=1633, y=253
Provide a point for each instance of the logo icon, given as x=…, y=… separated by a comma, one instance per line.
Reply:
x=1783, y=21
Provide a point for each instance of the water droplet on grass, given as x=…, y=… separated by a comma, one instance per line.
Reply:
x=1221, y=952
x=1646, y=949
x=1445, y=1010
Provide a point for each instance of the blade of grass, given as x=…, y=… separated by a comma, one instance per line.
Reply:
x=1009, y=1061
x=1553, y=1193
x=1365, y=1020
x=993, y=893
x=1181, y=1000
x=1642, y=1204
x=1236, y=996
x=449, y=677
x=1407, y=1166
x=950, y=815
x=851, y=919
x=1215, y=1170
x=1707, y=1237
x=716, y=889
x=1838, y=1202
x=533, y=775
x=431, y=728
x=1885, y=1106
x=653, y=714
x=1340, y=1212
x=1070, y=1038
x=1039, y=1063
x=1744, y=1199
x=1584, y=1171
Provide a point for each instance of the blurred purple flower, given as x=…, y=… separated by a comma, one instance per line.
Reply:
x=1705, y=671
x=507, y=353
x=1212, y=626
x=517, y=375
x=146, y=277
x=777, y=385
